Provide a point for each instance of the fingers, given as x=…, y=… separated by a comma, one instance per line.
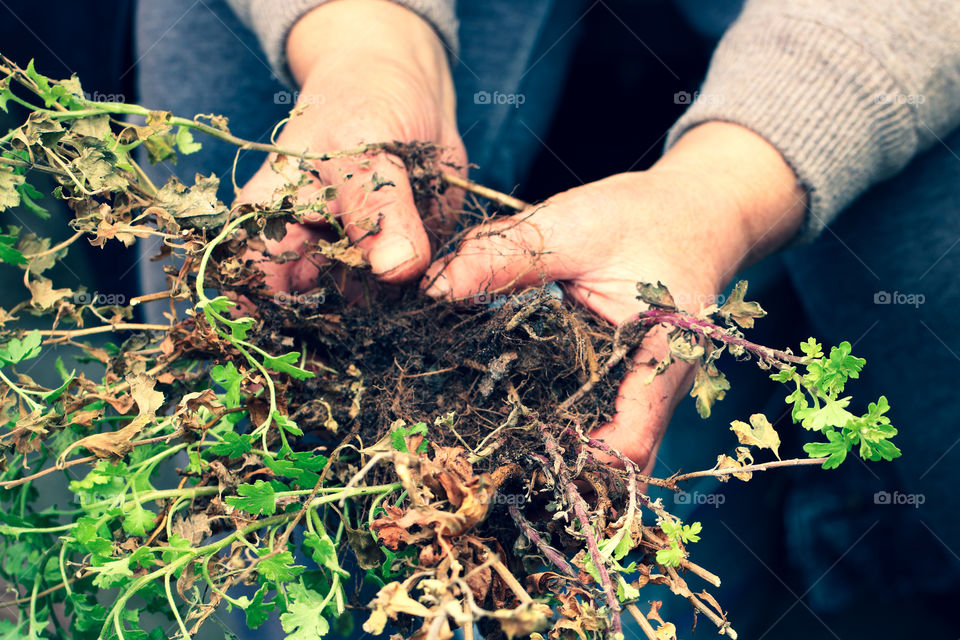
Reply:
x=376, y=208
x=644, y=406
x=530, y=248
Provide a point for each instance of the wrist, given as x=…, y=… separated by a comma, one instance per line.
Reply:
x=749, y=192
x=351, y=33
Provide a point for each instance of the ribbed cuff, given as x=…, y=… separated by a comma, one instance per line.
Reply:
x=818, y=97
x=272, y=21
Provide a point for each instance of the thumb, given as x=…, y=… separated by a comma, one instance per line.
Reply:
x=530, y=248
x=375, y=205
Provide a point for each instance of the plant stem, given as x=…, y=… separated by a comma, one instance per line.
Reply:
x=776, y=357
x=796, y=462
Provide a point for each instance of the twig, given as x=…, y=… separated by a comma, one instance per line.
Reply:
x=621, y=348
x=696, y=569
x=641, y=619
x=150, y=297
x=577, y=504
x=796, y=462
x=581, y=513
x=9, y=484
x=511, y=581
x=120, y=326
x=680, y=584
x=484, y=192
x=555, y=557
x=56, y=247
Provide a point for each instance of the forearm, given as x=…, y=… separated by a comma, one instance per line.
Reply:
x=273, y=21
x=848, y=91
x=340, y=33
x=748, y=201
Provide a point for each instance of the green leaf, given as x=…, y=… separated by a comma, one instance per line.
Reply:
x=285, y=423
x=323, y=552
x=287, y=363
x=835, y=449
x=137, y=520
x=258, y=498
x=8, y=254
x=833, y=413
x=258, y=611
x=179, y=546
x=112, y=573
x=229, y=378
x=86, y=534
x=811, y=348
x=279, y=567
x=670, y=557
x=304, y=617
x=17, y=351
x=234, y=445
x=28, y=197
x=185, y=142
x=690, y=532
x=54, y=395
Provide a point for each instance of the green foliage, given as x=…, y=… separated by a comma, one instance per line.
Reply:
x=258, y=498
x=304, y=619
x=400, y=433
x=677, y=533
x=817, y=406
x=16, y=351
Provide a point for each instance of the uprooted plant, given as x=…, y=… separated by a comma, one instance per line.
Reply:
x=275, y=453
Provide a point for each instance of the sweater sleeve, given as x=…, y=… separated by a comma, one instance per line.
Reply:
x=848, y=91
x=271, y=21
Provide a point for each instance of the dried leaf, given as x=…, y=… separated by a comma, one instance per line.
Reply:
x=655, y=296
x=709, y=386
x=392, y=600
x=759, y=433
x=195, y=207
x=44, y=296
x=736, y=309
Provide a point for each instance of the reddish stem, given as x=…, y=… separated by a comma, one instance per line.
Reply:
x=551, y=554
x=776, y=357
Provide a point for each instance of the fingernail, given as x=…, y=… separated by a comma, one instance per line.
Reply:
x=439, y=288
x=391, y=254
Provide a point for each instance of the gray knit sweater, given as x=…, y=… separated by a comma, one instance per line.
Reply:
x=849, y=91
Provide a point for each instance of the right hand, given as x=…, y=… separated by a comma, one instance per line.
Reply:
x=369, y=71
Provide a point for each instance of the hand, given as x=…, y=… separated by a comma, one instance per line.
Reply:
x=720, y=199
x=369, y=71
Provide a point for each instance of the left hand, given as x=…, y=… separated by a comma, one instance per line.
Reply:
x=691, y=221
